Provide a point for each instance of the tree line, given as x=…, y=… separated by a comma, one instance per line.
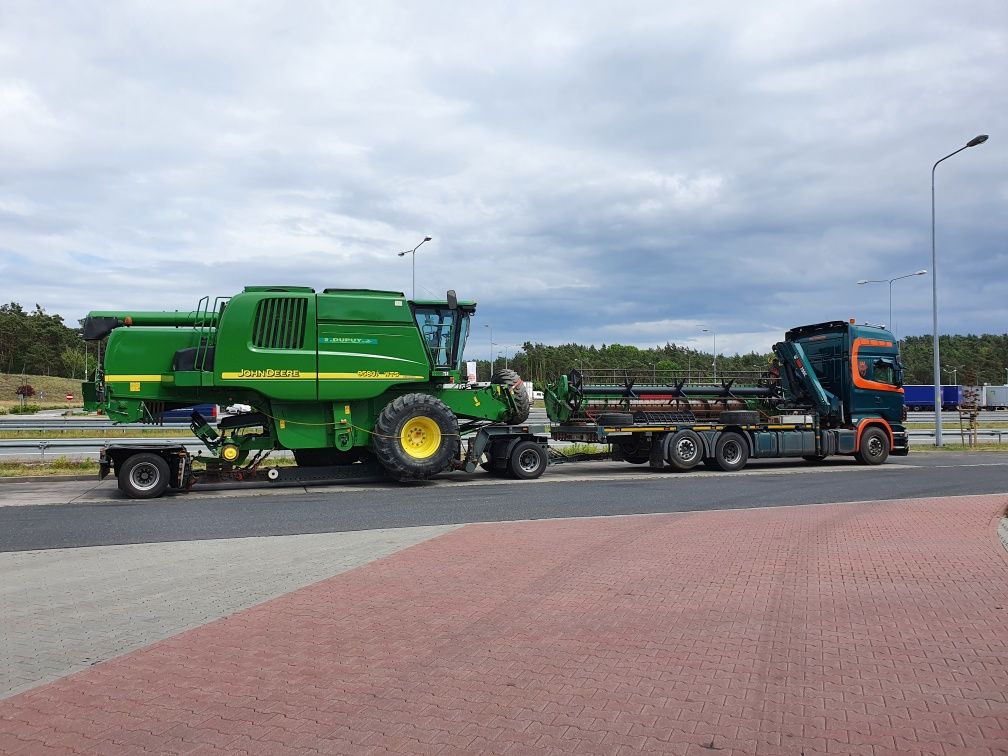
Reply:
x=37, y=343
x=34, y=342
x=976, y=360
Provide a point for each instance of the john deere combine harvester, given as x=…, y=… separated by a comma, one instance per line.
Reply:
x=354, y=382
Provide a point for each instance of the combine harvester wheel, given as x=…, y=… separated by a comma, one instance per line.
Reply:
x=416, y=437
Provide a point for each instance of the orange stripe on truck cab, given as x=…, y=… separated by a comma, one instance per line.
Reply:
x=864, y=383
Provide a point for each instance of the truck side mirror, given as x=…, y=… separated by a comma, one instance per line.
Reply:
x=452, y=300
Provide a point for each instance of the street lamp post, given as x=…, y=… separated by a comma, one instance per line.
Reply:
x=711, y=332
x=890, y=280
x=413, y=253
x=955, y=373
x=979, y=139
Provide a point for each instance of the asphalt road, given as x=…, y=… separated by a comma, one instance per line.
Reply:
x=84, y=515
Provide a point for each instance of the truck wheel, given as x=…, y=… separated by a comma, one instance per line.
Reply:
x=528, y=460
x=516, y=387
x=874, y=448
x=143, y=476
x=685, y=450
x=416, y=436
x=731, y=452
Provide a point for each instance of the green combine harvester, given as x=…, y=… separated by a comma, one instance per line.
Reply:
x=354, y=382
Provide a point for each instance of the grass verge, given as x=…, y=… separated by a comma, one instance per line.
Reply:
x=57, y=466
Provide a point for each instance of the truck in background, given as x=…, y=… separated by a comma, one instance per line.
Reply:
x=921, y=398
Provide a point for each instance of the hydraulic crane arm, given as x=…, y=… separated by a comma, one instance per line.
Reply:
x=801, y=383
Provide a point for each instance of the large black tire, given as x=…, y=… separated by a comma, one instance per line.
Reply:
x=490, y=465
x=739, y=417
x=415, y=437
x=528, y=460
x=514, y=384
x=143, y=476
x=616, y=419
x=874, y=449
x=636, y=451
x=325, y=457
x=731, y=452
x=685, y=450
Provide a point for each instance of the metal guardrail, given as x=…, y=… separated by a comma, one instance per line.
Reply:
x=85, y=425
x=981, y=433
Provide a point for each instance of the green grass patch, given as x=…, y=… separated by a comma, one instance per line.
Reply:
x=947, y=447
x=57, y=466
x=50, y=390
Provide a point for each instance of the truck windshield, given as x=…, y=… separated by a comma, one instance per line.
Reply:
x=444, y=333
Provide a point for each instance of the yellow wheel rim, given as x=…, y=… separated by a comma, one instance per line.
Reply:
x=420, y=437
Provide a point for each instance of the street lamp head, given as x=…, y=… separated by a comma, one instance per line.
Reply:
x=921, y=273
x=427, y=238
x=980, y=139
x=862, y=281
x=401, y=254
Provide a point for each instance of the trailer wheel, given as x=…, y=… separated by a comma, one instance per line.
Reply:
x=415, y=437
x=516, y=387
x=637, y=451
x=731, y=452
x=874, y=449
x=685, y=450
x=143, y=476
x=490, y=466
x=528, y=460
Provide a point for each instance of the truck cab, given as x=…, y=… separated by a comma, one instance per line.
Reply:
x=859, y=367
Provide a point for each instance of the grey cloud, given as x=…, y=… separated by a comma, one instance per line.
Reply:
x=586, y=171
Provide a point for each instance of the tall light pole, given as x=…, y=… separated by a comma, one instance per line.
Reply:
x=979, y=139
x=413, y=252
x=890, y=280
x=711, y=332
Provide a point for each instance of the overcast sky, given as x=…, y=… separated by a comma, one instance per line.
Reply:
x=589, y=172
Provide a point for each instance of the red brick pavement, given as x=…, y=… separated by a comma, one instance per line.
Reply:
x=850, y=628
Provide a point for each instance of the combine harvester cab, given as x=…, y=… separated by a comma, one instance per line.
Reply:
x=354, y=382
x=834, y=389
